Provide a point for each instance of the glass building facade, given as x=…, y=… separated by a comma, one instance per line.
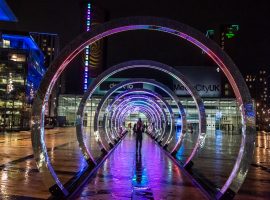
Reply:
x=49, y=45
x=221, y=113
x=21, y=70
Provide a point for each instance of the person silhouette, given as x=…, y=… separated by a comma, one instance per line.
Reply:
x=139, y=131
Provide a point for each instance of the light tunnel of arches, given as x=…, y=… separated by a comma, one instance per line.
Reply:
x=240, y=168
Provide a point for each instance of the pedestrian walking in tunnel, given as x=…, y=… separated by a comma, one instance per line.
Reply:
x=139, y=131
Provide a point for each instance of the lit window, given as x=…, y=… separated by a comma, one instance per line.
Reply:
x=3, y=81
x=17, y=57
x=6, y=43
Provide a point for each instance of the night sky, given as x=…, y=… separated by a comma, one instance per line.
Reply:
x=64, y=17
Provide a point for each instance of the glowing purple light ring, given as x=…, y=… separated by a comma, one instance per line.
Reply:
x=109, y=93
x=141, y=108
x=143, y=91
x=159, y=123
x=163, y=113
x=166, y=69
x=147, y=104
x=137, y=104
x=126, y=103
x=99, y=108
x=240, y=169
x=113, y=117
x=163, y=68
x=120, y=107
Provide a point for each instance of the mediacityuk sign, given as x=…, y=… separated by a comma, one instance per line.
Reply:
x=206, y=80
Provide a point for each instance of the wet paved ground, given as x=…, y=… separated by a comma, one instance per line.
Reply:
x=149, y=175
x=257, y=183
x=19, y=176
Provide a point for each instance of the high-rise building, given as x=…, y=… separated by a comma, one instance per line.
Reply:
x=262, y=98
x=251, y=81
x=226, y=36
x=21, y=70
x=49, y=45
x=258, y=84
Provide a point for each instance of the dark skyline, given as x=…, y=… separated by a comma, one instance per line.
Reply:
x=64, y=17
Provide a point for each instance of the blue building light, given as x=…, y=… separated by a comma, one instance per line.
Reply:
x=5, y=12
x=35, y=60
x=21, y=42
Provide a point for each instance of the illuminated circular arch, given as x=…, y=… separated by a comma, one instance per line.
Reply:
x=154, y=108
x=141, y=91
x=180, y=30
x=144, y=106
x=122, y=106
x=130, y=98
x=144, y=109
x=149, y=65
x=101, y=105
x=159, y=123
x=134, y=81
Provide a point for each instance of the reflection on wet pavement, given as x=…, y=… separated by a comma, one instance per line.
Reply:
x=18, y=167
x=257, y=183
x=129, y=175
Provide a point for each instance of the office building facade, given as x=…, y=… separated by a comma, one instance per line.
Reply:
x=49, y=45
x=258, y=84
x=222, y=112
x=21, y=70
